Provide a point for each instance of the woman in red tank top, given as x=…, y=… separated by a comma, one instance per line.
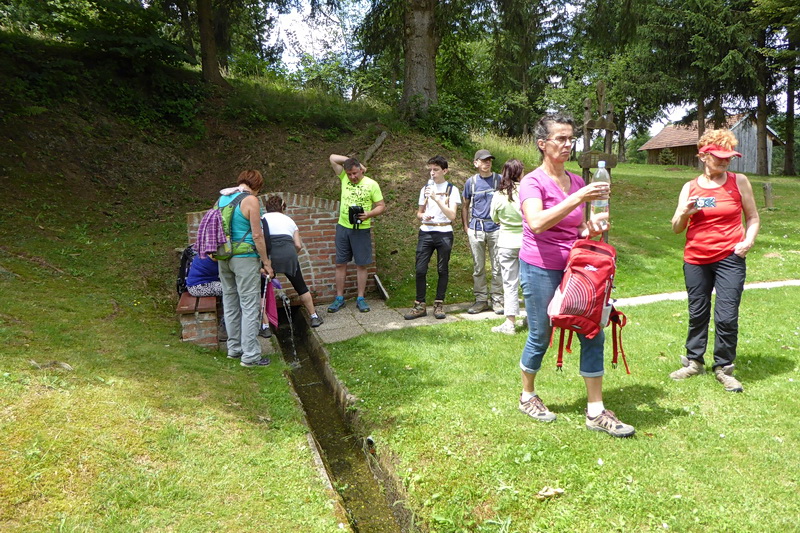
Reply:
x=710, y=209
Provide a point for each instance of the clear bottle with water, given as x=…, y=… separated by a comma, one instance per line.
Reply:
x=431, y=185
x=601, y=206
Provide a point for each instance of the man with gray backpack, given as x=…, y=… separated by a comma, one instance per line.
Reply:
x=482, y=232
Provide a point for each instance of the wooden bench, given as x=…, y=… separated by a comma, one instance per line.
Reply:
x=198, y=318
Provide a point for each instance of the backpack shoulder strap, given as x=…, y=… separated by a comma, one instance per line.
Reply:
x=236, y=202
x=447, y=192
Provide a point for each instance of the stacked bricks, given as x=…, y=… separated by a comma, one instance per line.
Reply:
x=199, y=324
x=316, y=220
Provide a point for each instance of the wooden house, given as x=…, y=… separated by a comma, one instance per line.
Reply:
x=682, y=142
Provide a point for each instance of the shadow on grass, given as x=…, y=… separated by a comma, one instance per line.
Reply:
x=760, y=367
x=637, y=405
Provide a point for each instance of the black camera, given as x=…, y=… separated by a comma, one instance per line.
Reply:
x=705, y=201
x=353, y=212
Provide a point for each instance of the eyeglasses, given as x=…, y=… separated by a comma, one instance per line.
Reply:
x=563, y=140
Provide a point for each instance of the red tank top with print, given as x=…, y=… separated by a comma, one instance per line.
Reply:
x=714, y=231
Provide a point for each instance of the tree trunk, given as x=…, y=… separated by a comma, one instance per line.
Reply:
x=791, y=89
x=208, y=48
x=420, y=45
x=762, y=164
x=222, y=34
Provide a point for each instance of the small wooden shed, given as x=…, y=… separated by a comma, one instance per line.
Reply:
x=682, y=142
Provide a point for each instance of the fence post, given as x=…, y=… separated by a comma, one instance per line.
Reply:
x=768, y=203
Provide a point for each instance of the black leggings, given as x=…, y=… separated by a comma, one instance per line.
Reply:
x=298, y=284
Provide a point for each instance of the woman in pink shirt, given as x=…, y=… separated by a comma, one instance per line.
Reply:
x=553, y=201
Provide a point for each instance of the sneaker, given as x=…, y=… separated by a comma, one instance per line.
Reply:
x=265, y=332
x=690, y=368
x=264, y=361
x=234, y=356
x=438, y=310
x=506, y=328
x=316, y=321
x=362, y=304
x=607, y=421
x=498, y=308
x=478, y=307
x=724, y=375
x=419, y=310
x=336, y=304
x=535, y=409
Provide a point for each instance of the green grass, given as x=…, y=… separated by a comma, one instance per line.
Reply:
x=145, y=432
x=443, y=400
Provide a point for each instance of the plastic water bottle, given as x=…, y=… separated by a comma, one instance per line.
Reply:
x=601, y=206
x=431, y=185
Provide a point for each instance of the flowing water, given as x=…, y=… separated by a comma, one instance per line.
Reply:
x=347, y=457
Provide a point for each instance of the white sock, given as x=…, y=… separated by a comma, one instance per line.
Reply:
x=527, y=396
x=594, y=408
x=264, y=326
x=314, y=315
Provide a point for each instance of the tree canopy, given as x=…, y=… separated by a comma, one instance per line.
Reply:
x=455, y=65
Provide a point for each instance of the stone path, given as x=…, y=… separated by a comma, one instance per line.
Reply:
x=348, y=322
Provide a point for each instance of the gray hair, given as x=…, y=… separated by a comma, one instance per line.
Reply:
x=542, y=129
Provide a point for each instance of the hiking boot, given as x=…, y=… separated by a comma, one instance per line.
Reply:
x=265, y=332
x=536, y=409
x=316, y=321
x=607, y=421
x=362, y=304
x=498, y=308
x=438, y=309
x=336, y=304
x=690, y=368
x=506, y=328
x=264, y=361
x=724, y=375
x=417, y=311
x=478, y=307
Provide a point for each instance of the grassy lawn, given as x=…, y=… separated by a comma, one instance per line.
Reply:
x=443, y=400
x=144, y=433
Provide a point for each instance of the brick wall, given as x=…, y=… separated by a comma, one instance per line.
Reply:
x=316, y=220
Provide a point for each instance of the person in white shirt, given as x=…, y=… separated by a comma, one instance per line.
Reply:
x=438, y=205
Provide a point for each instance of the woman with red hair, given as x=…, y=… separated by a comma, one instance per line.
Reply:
x=710, y=209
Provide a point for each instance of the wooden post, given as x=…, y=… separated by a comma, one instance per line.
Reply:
x=768, y=203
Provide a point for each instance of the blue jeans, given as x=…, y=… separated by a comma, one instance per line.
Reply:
x=538, y=287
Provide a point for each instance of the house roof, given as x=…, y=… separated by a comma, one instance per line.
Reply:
x=674, y=135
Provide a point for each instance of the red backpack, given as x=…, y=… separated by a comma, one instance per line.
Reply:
x=582, y=303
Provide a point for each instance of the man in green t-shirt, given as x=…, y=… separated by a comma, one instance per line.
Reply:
x=354, y=240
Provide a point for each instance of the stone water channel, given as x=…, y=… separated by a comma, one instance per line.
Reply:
x=348, y=458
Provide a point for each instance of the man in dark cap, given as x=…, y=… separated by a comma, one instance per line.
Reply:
x=482, y=232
